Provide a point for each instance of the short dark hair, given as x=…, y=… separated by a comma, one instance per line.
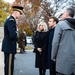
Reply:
x=55, y=19
x=70, y=11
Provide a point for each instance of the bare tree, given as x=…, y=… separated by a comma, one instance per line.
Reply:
x=34, y=12
x=40, y=10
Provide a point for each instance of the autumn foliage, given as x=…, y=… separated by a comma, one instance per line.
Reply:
x=4, y=8
x=32, y=13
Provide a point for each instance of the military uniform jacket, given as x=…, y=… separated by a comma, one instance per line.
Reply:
x=10, y=35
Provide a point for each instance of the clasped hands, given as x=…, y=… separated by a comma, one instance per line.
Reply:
x=39, y=49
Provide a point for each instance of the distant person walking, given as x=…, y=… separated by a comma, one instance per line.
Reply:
x=63, y=46
x=22, y=41
x=41, y=48
x=10, y=38
x=52, y=64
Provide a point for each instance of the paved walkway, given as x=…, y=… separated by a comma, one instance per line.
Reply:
x=1, y=62
x=24, y=64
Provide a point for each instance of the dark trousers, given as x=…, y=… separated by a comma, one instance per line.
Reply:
x=22, y=50
x=52, y=69
x=42, y=71
x=9, y=63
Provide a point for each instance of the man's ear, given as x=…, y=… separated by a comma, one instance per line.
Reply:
x=54, y=22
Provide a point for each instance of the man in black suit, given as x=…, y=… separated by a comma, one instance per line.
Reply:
x=10, y=38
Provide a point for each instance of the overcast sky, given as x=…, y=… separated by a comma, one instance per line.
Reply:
x=10, y=1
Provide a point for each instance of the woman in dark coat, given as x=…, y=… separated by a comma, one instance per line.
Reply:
x=41, y=46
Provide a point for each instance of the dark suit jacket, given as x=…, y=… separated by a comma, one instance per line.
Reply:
x=10, y=35
x=51, y=34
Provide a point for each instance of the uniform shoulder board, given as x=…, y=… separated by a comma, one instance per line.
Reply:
x=11, y=19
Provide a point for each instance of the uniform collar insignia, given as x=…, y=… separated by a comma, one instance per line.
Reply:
x=11, y=19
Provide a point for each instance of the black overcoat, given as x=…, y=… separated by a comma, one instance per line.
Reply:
x=41, y=41
x=10, y=36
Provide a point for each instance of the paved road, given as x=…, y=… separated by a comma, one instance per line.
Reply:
x=25, y=64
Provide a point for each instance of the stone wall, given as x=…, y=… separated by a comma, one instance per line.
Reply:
x=1, y=34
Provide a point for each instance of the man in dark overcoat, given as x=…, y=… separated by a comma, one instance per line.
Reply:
x=52, y=23
x=22, y=41
x=10, y=38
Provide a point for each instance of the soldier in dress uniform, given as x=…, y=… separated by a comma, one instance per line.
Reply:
x=10, y=39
